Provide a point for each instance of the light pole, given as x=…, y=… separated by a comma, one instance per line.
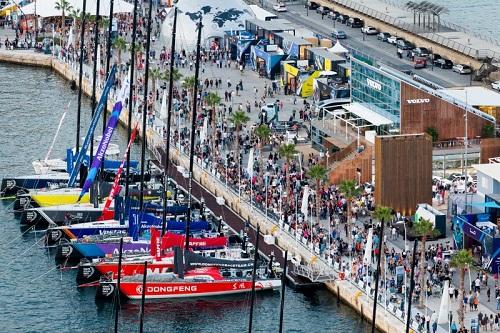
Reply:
x=466, y=143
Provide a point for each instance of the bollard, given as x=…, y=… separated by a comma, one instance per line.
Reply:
x=338, y=295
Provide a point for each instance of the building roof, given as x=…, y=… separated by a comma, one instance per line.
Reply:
x=268, y=25
x=323, y=52
x=293, y=39
x=477, y=96
x=261, y=14
x=489, y=169
x=370, y=116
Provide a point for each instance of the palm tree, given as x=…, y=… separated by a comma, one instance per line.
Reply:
x=176, y=76
x=263, y=133
x=238, y=119
x=213, y=100
x=189, y=84
x=461, y=260
x=155, y=74
x=119, y=44
x=423, y=229
x=382, y=214
x=318, y=173
x=350, y=190
x=65, y=7
x=76, y=15
x=287, y=151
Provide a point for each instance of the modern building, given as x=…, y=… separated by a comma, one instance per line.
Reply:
x=412, y=106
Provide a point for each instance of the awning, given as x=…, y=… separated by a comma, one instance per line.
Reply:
x=368, y=115
x=46, y=8
x=489, y=204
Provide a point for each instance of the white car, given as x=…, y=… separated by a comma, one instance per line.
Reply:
x=462, y=69
x=369, y=30
x=280, y=7
x=393, y=39
x=496, y=85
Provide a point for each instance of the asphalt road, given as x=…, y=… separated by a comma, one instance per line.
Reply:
x=381, y=51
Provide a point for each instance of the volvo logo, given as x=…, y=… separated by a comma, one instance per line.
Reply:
x=31, y=216
x=418, y=101
x=66, y=250
x=107, y=289
x=88, y=271
x=373, y=84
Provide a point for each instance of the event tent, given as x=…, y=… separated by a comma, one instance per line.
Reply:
x=47, y=8
x=218, y=16
x=338, y=48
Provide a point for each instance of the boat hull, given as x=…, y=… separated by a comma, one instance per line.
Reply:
x=11, y=185
x=90, y=273
x=41, y=218
x=184, y=289
x=74, y=252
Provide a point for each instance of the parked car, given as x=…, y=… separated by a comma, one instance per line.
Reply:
x=312, y=5
x=354, y=22
x=419, y=62
x=420, y=52
x=434, y=56
x=322, y=10
x=443, y=63
x=333, y=14
x=342, y=18
x=393, y=39
x=462, y=69
x=384, y=36
x=369, y=30
x=339, y=34
x=280, y=7
x=496, y=85
x=404, y=44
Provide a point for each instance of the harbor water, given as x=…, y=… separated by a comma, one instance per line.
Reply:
x=36, y=297
x=479, y=15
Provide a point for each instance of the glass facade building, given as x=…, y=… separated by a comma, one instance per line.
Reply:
x=376, y=90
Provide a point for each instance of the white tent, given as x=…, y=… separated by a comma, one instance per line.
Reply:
x=47, y=8
x=338, y=48
x=218, y=16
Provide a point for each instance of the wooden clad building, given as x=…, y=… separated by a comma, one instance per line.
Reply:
x=403, y=171
x=490, y=148
x=421, y=110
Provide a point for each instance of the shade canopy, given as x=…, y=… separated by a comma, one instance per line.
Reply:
x=338, y=48
x=47, y=8
x=366, y=114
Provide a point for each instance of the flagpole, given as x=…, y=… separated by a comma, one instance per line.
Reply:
x=80, y=78
x=130, y=94
x=166, y=162
x=193, y=128
x=145, y=105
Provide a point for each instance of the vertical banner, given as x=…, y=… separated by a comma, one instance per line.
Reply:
x=93, y=124
x=106, y=138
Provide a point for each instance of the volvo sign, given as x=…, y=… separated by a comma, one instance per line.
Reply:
x=418, y=101
x=374, y=84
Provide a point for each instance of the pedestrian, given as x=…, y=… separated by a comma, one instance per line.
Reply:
x=229, y=83
x=488, y=294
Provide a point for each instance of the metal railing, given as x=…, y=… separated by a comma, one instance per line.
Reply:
x=450, y=25
x=420, y=31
